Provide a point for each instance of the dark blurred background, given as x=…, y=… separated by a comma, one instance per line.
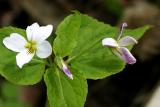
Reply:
x=137, y=85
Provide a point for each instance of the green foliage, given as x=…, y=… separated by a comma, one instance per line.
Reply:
x=64, y=92
x=78, y=43
x=87, y=55
x=63, y=45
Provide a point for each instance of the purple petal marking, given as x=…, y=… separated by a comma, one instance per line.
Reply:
x=127, y=40
x=127, y=56
x=110, y=42
x=67, y=71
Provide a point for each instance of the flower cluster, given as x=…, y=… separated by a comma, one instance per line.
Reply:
x=36, y=44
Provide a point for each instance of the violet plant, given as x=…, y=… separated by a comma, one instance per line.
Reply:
x=65, y=62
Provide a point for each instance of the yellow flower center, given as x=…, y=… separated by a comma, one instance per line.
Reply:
x=31, y=46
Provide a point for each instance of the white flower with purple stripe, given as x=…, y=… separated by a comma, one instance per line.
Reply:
x=118, y=46
x=35, y=44
x=66, y=70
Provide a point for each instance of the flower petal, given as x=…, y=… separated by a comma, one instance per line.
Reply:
x=127, y=56
x=37, y=33
x=44, y=49
x=117, y=53
x=67, y=71
x=110, y=42
x=44, y=32
x=127, y=40
x=32, y=30
x=15, y=42
x=23, y=57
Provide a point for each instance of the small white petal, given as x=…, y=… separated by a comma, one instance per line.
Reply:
x=23, y=57
x=32, y=30
x=37, y=33
x=43, y=33
x=110, y=42
x=44, y=49
x=15, y=42
x=127, y=56
x=127, y=40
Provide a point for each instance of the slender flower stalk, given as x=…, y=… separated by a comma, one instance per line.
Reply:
x=121, y=30
x=35, y=44
x=118, y=46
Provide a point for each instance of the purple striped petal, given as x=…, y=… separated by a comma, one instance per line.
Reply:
x=110, y=42
x=127, y=40
x=67, y=71
x=127, y=56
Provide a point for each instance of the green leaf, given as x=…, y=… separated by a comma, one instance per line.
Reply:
x=30, y=74
x=138, y=32
x=88, y=55
x=63, y=45
x=84, y=49
x=64, y=92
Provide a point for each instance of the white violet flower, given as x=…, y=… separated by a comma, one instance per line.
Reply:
x=118, y=46
x=35, y=44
